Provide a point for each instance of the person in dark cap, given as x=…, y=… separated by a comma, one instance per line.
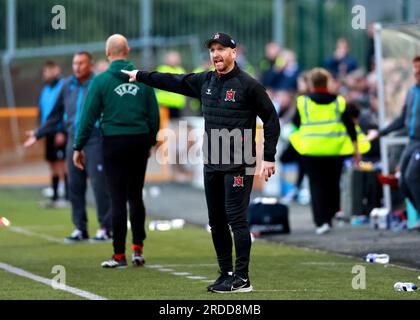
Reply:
x=231, y=101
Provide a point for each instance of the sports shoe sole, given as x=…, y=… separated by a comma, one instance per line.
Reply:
x=119, y=267
x=139, y=263
x=241, y=290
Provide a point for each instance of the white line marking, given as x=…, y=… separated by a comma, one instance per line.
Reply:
x=191, y=265
x=154, y=266
x=315, y=263
x=28, y=233
x=181, y=273
x=163, y=268
x=285, y=290
x=196, y=277
x=48, y=282
x=166, y=270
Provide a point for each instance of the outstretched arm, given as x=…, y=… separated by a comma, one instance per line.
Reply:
x=50, y=126
x=397, y=124
x=185, y=84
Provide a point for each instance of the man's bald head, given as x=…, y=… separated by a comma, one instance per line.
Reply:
x=117, y=47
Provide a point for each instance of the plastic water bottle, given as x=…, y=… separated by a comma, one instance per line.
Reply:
x=377, y=258
x=165, y=225
x=4, y=222
x=405, y=286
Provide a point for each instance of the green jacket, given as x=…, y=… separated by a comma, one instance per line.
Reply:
x=122, y=108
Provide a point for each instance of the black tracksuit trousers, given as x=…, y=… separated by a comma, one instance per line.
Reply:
x=324, y=182
x=410, y=172
x=125, y=159
x=227, y=195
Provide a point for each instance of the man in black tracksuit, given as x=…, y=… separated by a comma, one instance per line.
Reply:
x=231, y=100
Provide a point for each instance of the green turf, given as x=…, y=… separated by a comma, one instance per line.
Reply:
x=298, y=273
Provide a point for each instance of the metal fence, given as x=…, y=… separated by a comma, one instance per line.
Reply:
x=2, y=24
x=309, y=27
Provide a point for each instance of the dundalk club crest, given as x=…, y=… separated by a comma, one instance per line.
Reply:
x=230, y=95
x=238, y=181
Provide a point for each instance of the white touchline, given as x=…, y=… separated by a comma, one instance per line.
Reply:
x=154, y=266
x=34, y=277
x=28, y=233
x=181, y=273
x=187, y=275
x=196, y=277
x=286, y=290
x=191, y=265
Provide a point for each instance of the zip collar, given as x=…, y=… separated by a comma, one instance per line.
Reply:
x=233, y=73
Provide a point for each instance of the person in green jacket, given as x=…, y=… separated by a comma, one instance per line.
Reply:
x=129, y=121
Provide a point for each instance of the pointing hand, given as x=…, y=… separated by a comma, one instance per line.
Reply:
x=131, y=74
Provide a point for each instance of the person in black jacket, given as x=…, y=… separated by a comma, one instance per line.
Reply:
x=231, y=100
x=409, y=119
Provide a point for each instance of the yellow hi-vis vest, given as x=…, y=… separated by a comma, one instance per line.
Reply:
x=322, y=132
x=169, y=99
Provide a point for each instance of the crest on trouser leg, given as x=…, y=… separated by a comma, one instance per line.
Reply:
x=238, y=181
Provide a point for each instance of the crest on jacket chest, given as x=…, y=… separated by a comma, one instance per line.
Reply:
x=230, y=95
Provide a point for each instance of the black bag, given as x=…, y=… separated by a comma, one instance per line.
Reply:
x=362, y=191
x=268, y=216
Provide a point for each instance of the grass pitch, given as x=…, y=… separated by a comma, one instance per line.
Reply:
x=180, y=263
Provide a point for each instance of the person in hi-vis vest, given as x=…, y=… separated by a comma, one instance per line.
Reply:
x=325, y=136
x=175, y=104
x=173, y=101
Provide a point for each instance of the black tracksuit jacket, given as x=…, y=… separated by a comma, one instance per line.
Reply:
x=229, y=101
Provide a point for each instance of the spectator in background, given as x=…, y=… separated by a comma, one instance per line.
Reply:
x=370, y=55
x=369, y=120
x=282, y=79
x=272, y=57
x=289, y=153
x=243, y=62
x=55, y=142
x=341, y=62
x=100, y=66
x=173, y=101
x=355, y=88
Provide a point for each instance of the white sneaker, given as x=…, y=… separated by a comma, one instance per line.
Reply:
x=77, y=236
x=102, y=235
x=323, y=229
